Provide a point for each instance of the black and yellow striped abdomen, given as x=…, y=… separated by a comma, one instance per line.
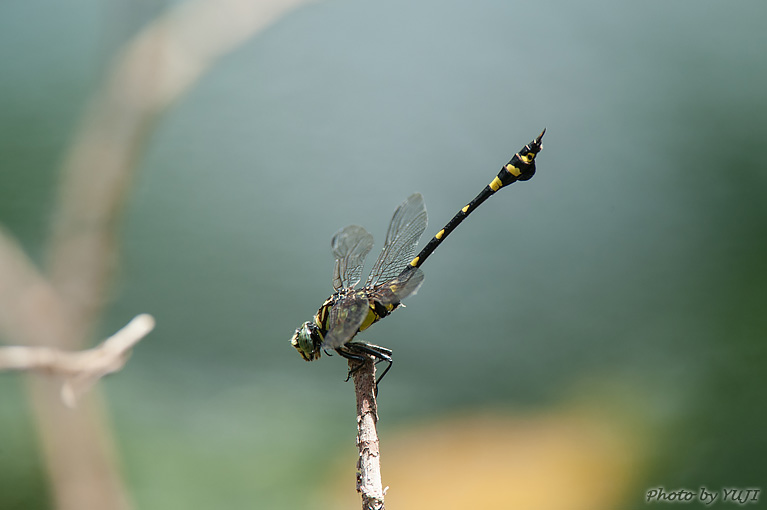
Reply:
x=520, y=167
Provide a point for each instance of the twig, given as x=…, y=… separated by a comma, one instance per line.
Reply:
x=80, y=369
x=368, y=465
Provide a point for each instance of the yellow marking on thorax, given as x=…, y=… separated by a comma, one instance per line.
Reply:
x=321, y=317
x=496, y=184
x=414, y=262
x=440, y=234
x=465, y=209
x=516, y=172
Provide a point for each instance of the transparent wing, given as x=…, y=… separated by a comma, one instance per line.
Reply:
x=345, y=319
x=407, y=225
x=402, y=286
x=350, y=247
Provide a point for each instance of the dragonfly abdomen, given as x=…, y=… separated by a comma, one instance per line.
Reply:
x=520, y=167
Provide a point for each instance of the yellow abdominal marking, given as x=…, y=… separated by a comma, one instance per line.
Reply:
x=516, y=172
x=414, y=262
x=440, y=234
x=370, y=319
x=465, y=209
x=527, y=158
x=496, y=184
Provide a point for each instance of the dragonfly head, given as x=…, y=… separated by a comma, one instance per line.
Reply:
x=307, y=341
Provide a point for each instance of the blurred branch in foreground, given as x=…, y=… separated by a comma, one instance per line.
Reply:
x=152, y=71
x=81, y=369
x=59, y=310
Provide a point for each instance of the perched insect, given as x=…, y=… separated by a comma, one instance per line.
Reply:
x=395, y=274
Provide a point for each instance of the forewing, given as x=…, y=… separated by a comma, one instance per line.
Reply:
x=402, y=286
x=350, y=246
x=407, y=225
x=345, y=320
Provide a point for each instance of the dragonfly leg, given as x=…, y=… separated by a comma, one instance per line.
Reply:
x=376, y=351
x=349, y=355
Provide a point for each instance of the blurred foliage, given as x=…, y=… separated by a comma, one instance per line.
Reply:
x=631, y=270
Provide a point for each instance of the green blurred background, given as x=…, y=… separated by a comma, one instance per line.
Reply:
x=626, y=284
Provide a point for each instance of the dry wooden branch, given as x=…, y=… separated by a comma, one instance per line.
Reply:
x=80, y=369
x=368, y=465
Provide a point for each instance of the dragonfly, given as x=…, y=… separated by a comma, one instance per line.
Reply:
x=395, y=275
